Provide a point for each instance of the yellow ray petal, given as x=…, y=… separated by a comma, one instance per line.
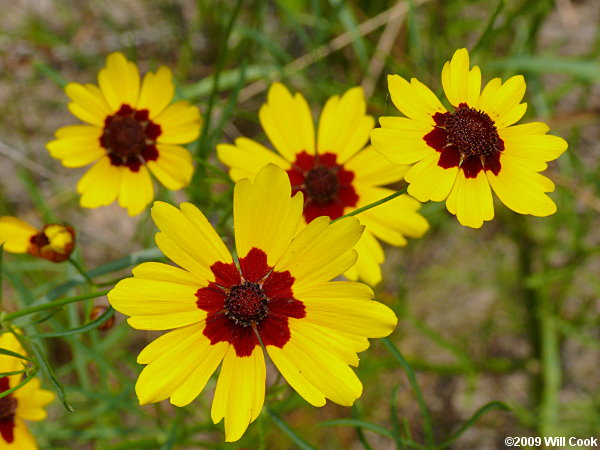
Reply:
x=136, y=191
x=174, y=366
x=165, y=272
x=499, y=99
x=414, y=99
x=373, y=169
x=173, y=168
x=401, y=141
x=530, y=141
x=179, y=123
x=247, y=157
x=240, y=392
x=23, y=440
x=119, y=81
x=157, y=91
x=88, y=104
x=265, y=216
x=15, y=234
x=31, y=401
x=344, y=125
x=428, y=181
x=287, y=122
x=370, y=257
x=188, y=239
x=10, y=363
x=461, y=84
x=320, y=249
x=100, y=185
x=78, y=145
x=156, y=305
x=471, y=200
x=522, y=189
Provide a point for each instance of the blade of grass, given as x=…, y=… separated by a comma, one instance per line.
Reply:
x=78, y=330
x=49, y=373
x=427, y=423
x=283, y=426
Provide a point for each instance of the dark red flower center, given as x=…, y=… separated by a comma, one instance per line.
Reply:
x=466, y=138
x=246, y=303
x=8, y=407
x=130, y=136
x=326, y=185
x=250, y=303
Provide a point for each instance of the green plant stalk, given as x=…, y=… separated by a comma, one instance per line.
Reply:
x=371, y=205
x=427, y=424
x=543, y=334
x=50, y=305
x=81, y=271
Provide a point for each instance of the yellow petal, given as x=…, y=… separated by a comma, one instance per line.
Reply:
x=320, y=249
x=344, y=125
x=173, y=168
x=100, y=185
x=471, y=200
x=372, y=168
x=136, y=191
x=461, y=84
x=401, y=141
x=346, y=306
x=88, y=104
x=265, y=216
x=188, y=239
x=287, y=122
x=414, y=99
x=15, y=234
x=370, y=257
x=119, y=81
x=179, y=123
x=157, y=91
x=8, y=341
x=176, y=364
x=165, y=272
x=247, y=157
x=322, y=367
x=428, y=181
x=530, y=141
x=240, y=392
x=156, y=305
x=23, y=440
x=80, y=145
x=498, y=99
x=522, y=189
x=31, y=401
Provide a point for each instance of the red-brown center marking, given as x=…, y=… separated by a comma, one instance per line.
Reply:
x=468, y=139
x=326, y=185
x=241, y=307
x=8, y=407
x=129, y=137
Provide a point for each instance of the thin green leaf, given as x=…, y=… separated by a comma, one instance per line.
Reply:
x=82, y=329
x=49, y=373
x=474, y=418
x=283, y=426
x=20, y=385
x=4, y=351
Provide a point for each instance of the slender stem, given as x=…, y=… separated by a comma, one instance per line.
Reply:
x=81, y=271
x=427, y=424
x=50, y=305
x=283, y=426
x=372, y=205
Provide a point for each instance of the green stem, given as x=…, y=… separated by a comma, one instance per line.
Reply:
x=283, y=426
x=50, y=305
x=412, y=379
x=372, y=205
x=81, y=271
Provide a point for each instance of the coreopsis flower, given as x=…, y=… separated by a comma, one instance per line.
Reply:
x=337, y=172
x=131, y=129
x=458, y=153
x=278, y=298
x=53, y=242
x=26, y=403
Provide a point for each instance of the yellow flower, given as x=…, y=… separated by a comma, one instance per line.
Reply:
x=279, y=297
x=26, y=403
x=336, y=173
x=459, y=153
x=53, y=242
x=132, y=128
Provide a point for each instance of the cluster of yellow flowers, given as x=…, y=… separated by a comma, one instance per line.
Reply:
x=279, y=297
